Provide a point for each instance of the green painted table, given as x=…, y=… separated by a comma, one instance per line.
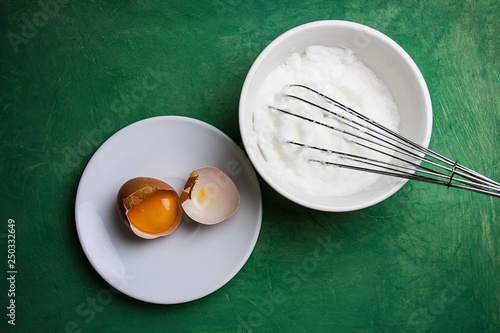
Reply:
x=425, y=260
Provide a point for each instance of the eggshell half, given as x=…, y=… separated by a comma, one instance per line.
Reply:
x=133, y=192
x=209, y=196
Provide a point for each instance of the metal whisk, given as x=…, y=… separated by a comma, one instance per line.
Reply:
x=407, y=159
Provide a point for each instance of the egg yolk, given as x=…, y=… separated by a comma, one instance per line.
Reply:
x=208, y=198
x=202, y=193
x=155, y=213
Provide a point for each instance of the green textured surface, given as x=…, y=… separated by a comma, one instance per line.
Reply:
x=390, y=267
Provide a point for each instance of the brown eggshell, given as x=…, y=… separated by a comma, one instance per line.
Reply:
x=133, y=192
x=219, y=197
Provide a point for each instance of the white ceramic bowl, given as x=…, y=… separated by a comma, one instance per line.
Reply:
x=384, y=57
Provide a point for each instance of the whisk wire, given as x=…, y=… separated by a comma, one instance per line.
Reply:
x=468, y=172
x=418, y=161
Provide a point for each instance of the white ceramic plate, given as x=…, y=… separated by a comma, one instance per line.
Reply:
x=195, y=260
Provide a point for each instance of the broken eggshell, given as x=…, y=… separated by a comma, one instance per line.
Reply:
x=137, y=189
x=209, y=196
